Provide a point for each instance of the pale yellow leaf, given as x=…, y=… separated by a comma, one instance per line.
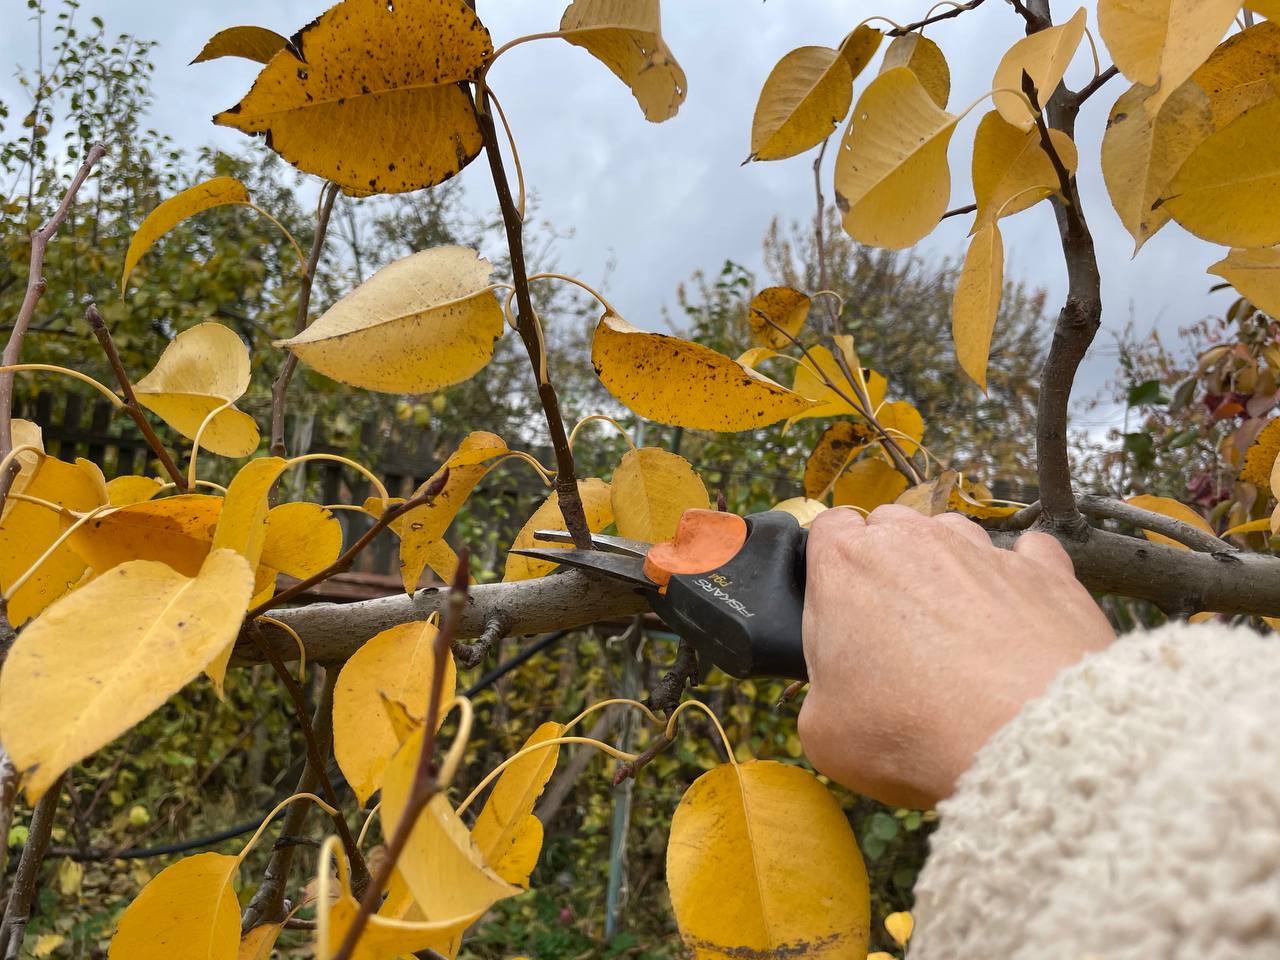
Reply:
x=651, y=490
x=1044, y=55
x=802, y=508
x=188, y=909
x=301, y=540
x=260, y=942
x=597, y=503
x=745, y=881
x=892, y=180
x=46, y=943
x=1228, y=190
x=1141, y=153
x=1011, y=170
x=24, y=433
x=1255, y=274
x=29, y=529
x=755, y=356
x=685, y=384
x=869, y=483
x=783, y=306
x=900, y=926
x=126, y=491
x=392, y=122
x=1160, y=43
x=204, y=368
x=976, y=303
x=397, y=664
x=101, y=659
x=933, y=496
x=501, y=831
x=626, y=36
x=1242, y=72
x=422, y=323
x=252, y=43
x=1170, y=508
x=837, y=445
x=925, y=59
x=218, y=192
x=242, y=525
x=803, y=100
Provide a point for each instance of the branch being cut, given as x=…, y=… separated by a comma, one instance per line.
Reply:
x=1104, y=508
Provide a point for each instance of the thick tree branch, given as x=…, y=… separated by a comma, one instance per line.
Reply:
x=280, y=389
x=131, y=405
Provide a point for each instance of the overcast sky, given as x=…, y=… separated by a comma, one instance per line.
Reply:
x=665, y=200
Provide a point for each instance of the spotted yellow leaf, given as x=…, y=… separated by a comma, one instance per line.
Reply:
x=835, y=448
x=252, y=43
x=781, y=307
x=924, y=58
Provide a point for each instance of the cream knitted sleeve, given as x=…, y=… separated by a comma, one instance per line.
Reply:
x=1133, y=811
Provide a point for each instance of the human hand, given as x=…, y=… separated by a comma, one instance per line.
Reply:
x=922, y=640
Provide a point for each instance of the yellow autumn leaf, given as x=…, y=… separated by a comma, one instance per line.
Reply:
x=1261, y=456
x=176, y=531
x=685, y=384
x=1141, y=153
x=242, y=525
x=252, y=43
x=29, y=529
x=755, y=356
x=837, y=445
x=735, y=831
x=902, y=421
x=1228, y=190
x=1045, y=55
x=126, y=491
x=803, y=100
x=892, y=180
x=1170, y=508
x=1266, y=8
x=900, y=926
x=501, y=831
x=933, y=496
x=1252, y=526
x=597, y=503
x=786, y=308
x=260, y=942
x=422, y=529
x=301, y=539
x=46, y=943
x=860, y=46
x=1160, y=44
x=974, y=502
x=1255, y=274
x=626, y=36
x=397, y=664
x=441, y=864
x=390, y=123
x=869, y=483
x=422, y=323
x=802, y=508
x=976, y=302
x=102, y=658
x=1010, y=163
x=811, y=380
x=1242, y=72
x=204, y=368
x=24, y=433
x=188, y=909
x=651, y=490
x=218, y=192
x=925, y=59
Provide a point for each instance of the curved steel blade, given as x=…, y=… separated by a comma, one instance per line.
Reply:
x=603, y=541
x=630, y=569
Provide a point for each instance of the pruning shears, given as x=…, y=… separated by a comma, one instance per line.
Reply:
x=732, y=586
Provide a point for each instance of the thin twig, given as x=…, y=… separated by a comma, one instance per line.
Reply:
x=471, y=655
x=628, y=769
x=947, y=15
x=820, y=235
x=666, y=694
x=425, y=785
x=1093, y=86
x=1050, y=148
x=36, y=287
x=575, y=516
x=131, y=405
x=959, y=211
x=22, y=895
x=280, y=389
x=1105, y=508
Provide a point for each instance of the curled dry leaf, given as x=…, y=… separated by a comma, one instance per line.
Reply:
x=837, y=445
x=803, y=100
x=28, y=530
x=734, y=832
x=102, y=658
x=933, y=496
x=218, y=192
x=869, y=483
x=1170, y=508
x=925, y=59
x=1141, y=153
x=397, y=664
x=626, y=36
x=1161, y=44
x=1010, y=163
x=187, y=909
x=787, y=308
x=685, y=384
x=652, y=488
x=204, y=368
x=389, y=123
x=976, y=303
x=1044, y=55
x=252, y=43
x=1256, y=274
x=422, y=323
x=892, y=180
x=597, y=502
